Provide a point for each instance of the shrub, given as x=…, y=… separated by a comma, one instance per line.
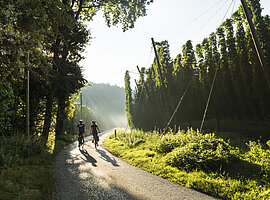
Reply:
x=198, y=151
x=168, y=143
x=131, y=139
x=15, y=148
x=259, y=155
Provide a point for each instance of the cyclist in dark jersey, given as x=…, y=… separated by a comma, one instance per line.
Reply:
x=95, y=130
x=81, y=127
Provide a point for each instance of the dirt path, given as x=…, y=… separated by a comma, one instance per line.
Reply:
x=96, y=174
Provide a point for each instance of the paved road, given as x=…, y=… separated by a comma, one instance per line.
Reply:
x=96, y=174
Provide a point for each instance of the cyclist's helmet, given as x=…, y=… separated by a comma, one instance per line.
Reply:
x=81, y=121
x=93, y=121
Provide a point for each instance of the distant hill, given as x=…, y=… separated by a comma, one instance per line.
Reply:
x=108, y=104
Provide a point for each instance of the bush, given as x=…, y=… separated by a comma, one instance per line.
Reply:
x=259, y=155
x=168, y=143
x=15, y=148
x=193, y=150
x=131, y=139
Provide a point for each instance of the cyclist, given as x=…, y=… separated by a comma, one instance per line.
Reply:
x=81, y=127
x=95, y=130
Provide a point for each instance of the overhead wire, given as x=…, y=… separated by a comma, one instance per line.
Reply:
x=233, y=7
x=132, y=71
x=213, y=82
x=208, y=100
x=214, y=79
x=140, y=74
x=211, y=17
x=178, y=105
x=149, y=56
x=195, y=19
x=180, y=100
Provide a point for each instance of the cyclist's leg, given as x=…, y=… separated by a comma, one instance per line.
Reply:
x=95, y=139
x=82, y=142
x=80, y=139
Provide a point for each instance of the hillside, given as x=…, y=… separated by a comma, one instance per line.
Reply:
x=108, y=104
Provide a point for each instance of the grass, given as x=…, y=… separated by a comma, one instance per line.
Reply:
x=27, y=171
x=244, y=175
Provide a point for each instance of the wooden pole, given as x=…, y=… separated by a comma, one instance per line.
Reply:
x=137, y=85
x=138, y=69
x=144, y=85
x=27, y=98
x=161, y=77
x=256, y=42
x=27, y=105
x=159, y=67
x=81, y=107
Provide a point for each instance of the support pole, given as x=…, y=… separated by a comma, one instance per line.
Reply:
x=256, y=42
x=27, y=98
x=81, y=106
x=144, y=85
x=27, y=106
x=159, y=67
x=161, y=77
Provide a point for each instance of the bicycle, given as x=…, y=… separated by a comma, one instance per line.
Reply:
x=81, y=142
x=95, y=139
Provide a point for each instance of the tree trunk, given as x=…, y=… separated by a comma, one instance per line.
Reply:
x=48, y=117
x=60, y=116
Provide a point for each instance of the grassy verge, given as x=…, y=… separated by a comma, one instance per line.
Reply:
x=206, y=163
x=26, y=168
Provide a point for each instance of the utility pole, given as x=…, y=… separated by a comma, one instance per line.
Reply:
x=160, y=73
x=159, y=67
x=144, y=85
x=27, y=97
x=81, y=106
x=256, y=42
x=137, y=85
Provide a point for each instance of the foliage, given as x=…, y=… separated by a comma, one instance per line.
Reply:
x=87, y=116
x=51, y=141
x=203, y=154
x=259, y=155
x=107, y=102
x=128, y=101
x=16, y=148
x=240, y=94
x=240, y=179
x=47, y=39
x=26, y=169
x=44, y=38
x=193, y=150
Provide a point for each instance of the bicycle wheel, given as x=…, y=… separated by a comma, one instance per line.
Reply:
x=80, y=140
x=95, y=141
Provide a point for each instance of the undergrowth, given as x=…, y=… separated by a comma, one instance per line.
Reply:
x=203, y=162
x=26, y=167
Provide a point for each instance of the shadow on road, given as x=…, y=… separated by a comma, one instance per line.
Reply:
x=107, y=158
x=88, y=157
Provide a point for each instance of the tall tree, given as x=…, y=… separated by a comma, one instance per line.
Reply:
x=129, y=100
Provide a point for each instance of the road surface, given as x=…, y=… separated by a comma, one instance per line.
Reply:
x=96, y=174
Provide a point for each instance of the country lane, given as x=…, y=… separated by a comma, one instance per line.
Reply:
x=96, y=174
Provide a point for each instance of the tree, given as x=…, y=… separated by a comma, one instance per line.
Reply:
x=115, y=12
x=189, y=67
x=129, y=100
x=232, y=59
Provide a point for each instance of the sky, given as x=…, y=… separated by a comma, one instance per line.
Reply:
x=111, y=51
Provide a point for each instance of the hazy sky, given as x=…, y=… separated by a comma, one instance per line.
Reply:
x=112, y=51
